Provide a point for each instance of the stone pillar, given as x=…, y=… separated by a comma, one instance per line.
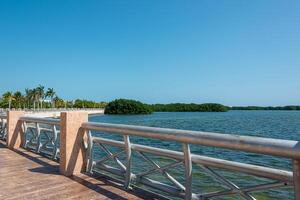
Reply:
x=296, y=177
x=14, y=129
x=72, y=152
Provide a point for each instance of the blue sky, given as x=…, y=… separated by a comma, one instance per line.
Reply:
x=231, y=52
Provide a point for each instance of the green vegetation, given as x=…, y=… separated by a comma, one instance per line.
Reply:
x=126, y=107
x=265, y=108
x=40, y=98
x=181, y=107
x=78, y=103
x=122, y=108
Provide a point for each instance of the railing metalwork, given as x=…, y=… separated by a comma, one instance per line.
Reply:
x=3, y=127
x=41, y=135
x=120, y=163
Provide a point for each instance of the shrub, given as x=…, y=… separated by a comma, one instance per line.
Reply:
x=126, y=107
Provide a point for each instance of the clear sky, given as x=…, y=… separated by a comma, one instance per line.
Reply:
x=231, y=52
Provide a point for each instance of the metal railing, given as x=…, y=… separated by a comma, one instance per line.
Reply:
x=122, y=167
x=41, y=135
x=3, y=127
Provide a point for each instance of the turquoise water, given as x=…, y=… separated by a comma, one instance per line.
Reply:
x=272, y=124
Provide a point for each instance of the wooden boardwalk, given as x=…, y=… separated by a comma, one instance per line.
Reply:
x=25, y=175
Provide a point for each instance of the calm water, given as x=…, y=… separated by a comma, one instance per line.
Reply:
x=272, y=124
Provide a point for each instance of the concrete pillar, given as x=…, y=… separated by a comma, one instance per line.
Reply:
x=72, y=152
x=296, y=177
x=14, y=129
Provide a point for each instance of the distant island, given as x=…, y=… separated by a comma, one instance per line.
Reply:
x=128, y=106
x=41, y=98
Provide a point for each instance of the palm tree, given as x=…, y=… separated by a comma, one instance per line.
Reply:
x=50, y=93
x=58, y=102
x=29, y=96
x=35, y=97
x=8, y=96
x=40, y=94
x=18, y=98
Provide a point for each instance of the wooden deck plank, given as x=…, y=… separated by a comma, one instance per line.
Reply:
x=25, y=175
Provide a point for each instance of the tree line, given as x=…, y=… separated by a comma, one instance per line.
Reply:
x=265, y=108
x=128, y=106
x=189, y=107
x=40, y=98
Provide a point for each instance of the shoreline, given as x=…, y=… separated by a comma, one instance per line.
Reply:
x=56, y=113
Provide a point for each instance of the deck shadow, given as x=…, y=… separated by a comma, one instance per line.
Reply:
x=103, y=185
x=107, y=181
x=53, y=170
x=97, y=187
x=26, y=153
x=2, y=145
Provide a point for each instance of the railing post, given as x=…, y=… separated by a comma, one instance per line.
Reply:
x=90, y=155
x=72, y=151
x=38, y=137
x=188, y=171
x=54, y=152
x=296, y=177
x=24, y=145
x=3, y=128
x=128, y=162
x=14, y=129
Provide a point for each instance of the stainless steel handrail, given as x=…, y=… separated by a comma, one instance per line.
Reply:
x=267, y=146
x=49, y=121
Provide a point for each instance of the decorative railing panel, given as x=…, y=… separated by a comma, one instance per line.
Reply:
x=124, y=160
x=41, y=135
